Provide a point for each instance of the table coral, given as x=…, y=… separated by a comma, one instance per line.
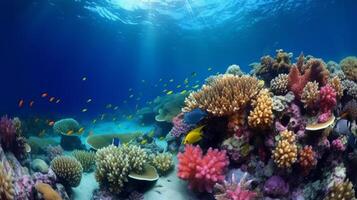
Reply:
x=310, y=95
x=285, y=152
x=349, y=67
x=202, y=172
x=261, y=117
x=68, y=170
x=226, y=95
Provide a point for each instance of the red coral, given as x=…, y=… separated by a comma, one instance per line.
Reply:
x=297, y=81
x=307, y=159
x=327, y=102
x=202, y=172
x=7, y=132
x=241, y=194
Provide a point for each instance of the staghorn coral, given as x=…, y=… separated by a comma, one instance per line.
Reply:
x=226, y=95
x=261, y=117
x=349, y=67
x=279, y=85
x=202, y=172
x=336, y=84
x=48, y=193
x=136, y=155
x=341, y=191
x=285, y=152
x=163, y=162
x=112, y=169
x=68, y=170
x=310, y=95
x=86, y=158
x=307, y=158
x=7, y=191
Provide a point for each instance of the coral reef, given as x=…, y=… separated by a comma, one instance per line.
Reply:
x=336, y=84
x=349, y=67
x=137, y=157
x=39, y=165
x=350, y=87
x=86, y=158
x=180, y=127
x=234, y=70
x=327, y=102
x=99, y=141
x=226, y=95
x=63, y=126
x=53, y=151
x=310, y=95
x=261, y=117
x=47, y=192
x=163, y=162
x=285, y=152
x=276, y=186
x=307, y=159
x=68, y=170
x=279, y=85
x=202, y=172
x=7, y=191
x=340, y=191
x=7, y=132
x=167, y=107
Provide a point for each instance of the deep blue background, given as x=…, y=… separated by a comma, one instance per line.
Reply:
x=46, y=48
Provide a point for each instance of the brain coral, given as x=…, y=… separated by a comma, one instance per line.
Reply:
x=285, y=152
x=225, y=95
x=68, y=170
x=279, y=85
x=112, y=169
x=341, y=191
x=310, y=94
x=7, y=191
x=261, y=116
x=163, y=162
x=86, y=158
x=137, y=157
x=349, y=67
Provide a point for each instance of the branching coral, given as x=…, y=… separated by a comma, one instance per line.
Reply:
x=349, y=67
x=336, y=84
x=261, y=117
x=226, y=95
x=137, y=157
x=68, y=170
x=86, y=158
x=327, y=102
x=341, y=191
x=202, y=172
x=163, y=162
x=307, y=159
x=180, y=127
x=279, y=85
x=112, y=169
x=350, y=87
x=310, y=95
x=235, y=70
x=47, y=192
x=285, y=152
x=7, y=191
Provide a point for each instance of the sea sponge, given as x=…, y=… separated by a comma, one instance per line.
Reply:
x=341, y=191
x=336, y=84
x=279, y=85
x=285, y=152
x=7, y=191
x=86, y=158
x=163, y=162
x=307, y=158
x=112, y=169
x=47, y=192
x=349, y=67
x=261, y=117
x=136, y=155
x=226, y=95
x=68, y=170
x=202, y=172
x=310, y=94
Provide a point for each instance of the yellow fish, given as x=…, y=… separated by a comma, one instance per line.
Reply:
x=261, y=83
x=81, y=130
x=194, y=136
x=143, y=142
x=70, y=132
x=183, y=92
x=84, y=78
x=94, y=121
x=170, y=92
x=196, y=86
x=151, y=134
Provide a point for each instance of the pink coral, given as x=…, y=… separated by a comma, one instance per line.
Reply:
x=327, y=102
x=297, y=81
x=241, y=194
x=202, y=172
x=180, y=127
x=338, y=145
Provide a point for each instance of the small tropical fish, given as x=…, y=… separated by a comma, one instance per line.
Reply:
x=165, y=85
x=194, y=74
x=21, y=103
x=84, y=110
x=143, y=142
x=131, y=96
x=94, y=121
x=130, y=117
x=261, y=83
x=160, y=79
x=209, y=69
x=51, y=123
x=161, y=138
x=58, y=100
x=43, y=95
x=185, y=81
x=52, y=99
x=84, y=78
x=89, y=100
x=171, y=80
x=178, y=86
x=116, y=142
x=108, y=106
x=170, y=92
x=114, y=119
x=81, y=130
x=194, y=116
x=196, y=86
x=70, y=132
x=183, y=92
x=31, y=103
x=194, y=135
x=116, y=108
x=151, y=134
x=165, y=90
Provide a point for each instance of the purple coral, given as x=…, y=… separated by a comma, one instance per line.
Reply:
x=7, y=132
x=338, y=145
x=276, y=186
x=180, y=127
x=295, y=122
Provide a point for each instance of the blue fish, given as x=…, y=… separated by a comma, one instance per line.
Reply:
x=116, y=142
x=342, y=127
x=194, y=116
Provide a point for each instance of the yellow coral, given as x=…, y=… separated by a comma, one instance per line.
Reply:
x=310, y=94
x=341, y=191
x=349, y=67
x=285, y=152
x=225, y=95
x=262, y=115
x=163, y=162
x=335, y=83
x=47, y=192
x=68, y=170
x=7, y=191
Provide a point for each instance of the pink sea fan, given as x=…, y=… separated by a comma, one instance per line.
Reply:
x=202, y=172
x=7, y=132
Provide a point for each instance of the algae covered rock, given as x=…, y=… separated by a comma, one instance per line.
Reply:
x=39, y=165
x=68, y=170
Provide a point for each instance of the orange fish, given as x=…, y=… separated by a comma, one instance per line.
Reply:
x=70, y=132
x=43, y=95
x=51, y=123
x=52, y=99
x=31, y=103
x=21, y=103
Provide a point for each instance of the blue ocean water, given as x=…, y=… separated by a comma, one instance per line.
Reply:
x=50, y=45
